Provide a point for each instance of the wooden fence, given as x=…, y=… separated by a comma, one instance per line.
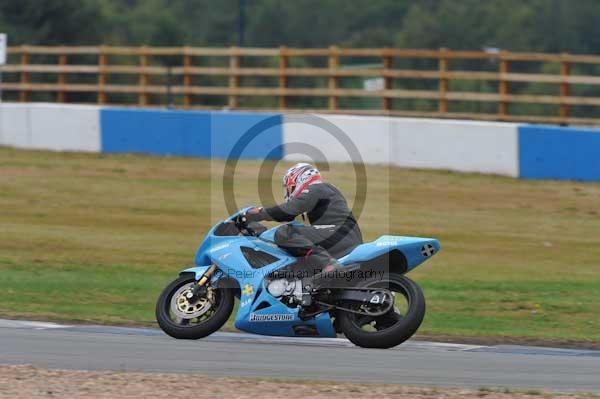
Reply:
x=484, y=85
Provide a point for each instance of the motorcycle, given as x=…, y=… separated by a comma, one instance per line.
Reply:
x=371, y=301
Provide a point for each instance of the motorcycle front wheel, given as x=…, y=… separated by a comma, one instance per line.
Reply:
x=392, y=328
x=181, y=319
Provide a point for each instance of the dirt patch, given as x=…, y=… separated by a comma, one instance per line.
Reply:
x=27, y=382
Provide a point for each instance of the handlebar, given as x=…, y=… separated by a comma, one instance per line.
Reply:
x=243, y=227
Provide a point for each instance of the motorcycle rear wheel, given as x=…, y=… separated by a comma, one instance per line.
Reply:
x=183, y=320
x=394, y=327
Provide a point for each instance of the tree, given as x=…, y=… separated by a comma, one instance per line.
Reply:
x=52, y=22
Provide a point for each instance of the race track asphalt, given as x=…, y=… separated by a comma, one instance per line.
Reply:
x=244, y=355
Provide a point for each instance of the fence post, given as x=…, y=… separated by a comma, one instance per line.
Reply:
x=387, y=81
x=443, y=82
x=170, y=102
x=503, y=85
x=143, y=78
x=565, y=70
x=102, y=62
x=61, y=96
x=283, y=79
x=187, y=77
x=25, y=58
x=234, y=78
x=333, y=66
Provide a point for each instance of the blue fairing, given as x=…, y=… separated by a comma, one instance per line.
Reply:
x=198, y=271
x=261, y=313
x=416, y=250
x=269, y=235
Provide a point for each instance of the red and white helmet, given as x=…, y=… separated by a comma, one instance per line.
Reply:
x=298, y=178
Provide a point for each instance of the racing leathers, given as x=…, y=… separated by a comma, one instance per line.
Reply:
x=333, y=230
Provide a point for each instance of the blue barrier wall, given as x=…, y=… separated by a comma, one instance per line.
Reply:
x=253, y=135
x=155, y=132
x=189, y=133
x=547, y=152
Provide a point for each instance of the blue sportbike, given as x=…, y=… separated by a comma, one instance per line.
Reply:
x=370, y=300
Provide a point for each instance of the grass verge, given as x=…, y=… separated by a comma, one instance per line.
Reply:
x=94, y=238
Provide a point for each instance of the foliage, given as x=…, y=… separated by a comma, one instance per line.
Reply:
x=530, y=25
x=517, y=25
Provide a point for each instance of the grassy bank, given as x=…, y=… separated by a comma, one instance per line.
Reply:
x=92, y=237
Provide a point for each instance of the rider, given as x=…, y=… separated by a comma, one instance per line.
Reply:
x=333, y=230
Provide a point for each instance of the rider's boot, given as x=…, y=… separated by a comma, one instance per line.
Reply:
x=327, y=268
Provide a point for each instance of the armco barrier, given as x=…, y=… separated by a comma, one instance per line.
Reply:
x=528, y=151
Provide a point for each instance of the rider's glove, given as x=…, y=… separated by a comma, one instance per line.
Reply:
x=251, y=215
x=241, y=219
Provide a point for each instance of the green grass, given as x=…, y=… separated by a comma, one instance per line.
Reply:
x=91, y=237
x=98, y=293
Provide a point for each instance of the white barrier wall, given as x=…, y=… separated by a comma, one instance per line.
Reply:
x=50, y=126
x=14, y=126
x=371, y=136
x=465, y=146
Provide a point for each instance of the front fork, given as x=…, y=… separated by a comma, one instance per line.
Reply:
x=200, y=289
x=207, y=276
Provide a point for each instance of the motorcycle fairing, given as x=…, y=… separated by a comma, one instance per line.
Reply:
x=261, y=313
x=416, y=250
x=277, y=318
